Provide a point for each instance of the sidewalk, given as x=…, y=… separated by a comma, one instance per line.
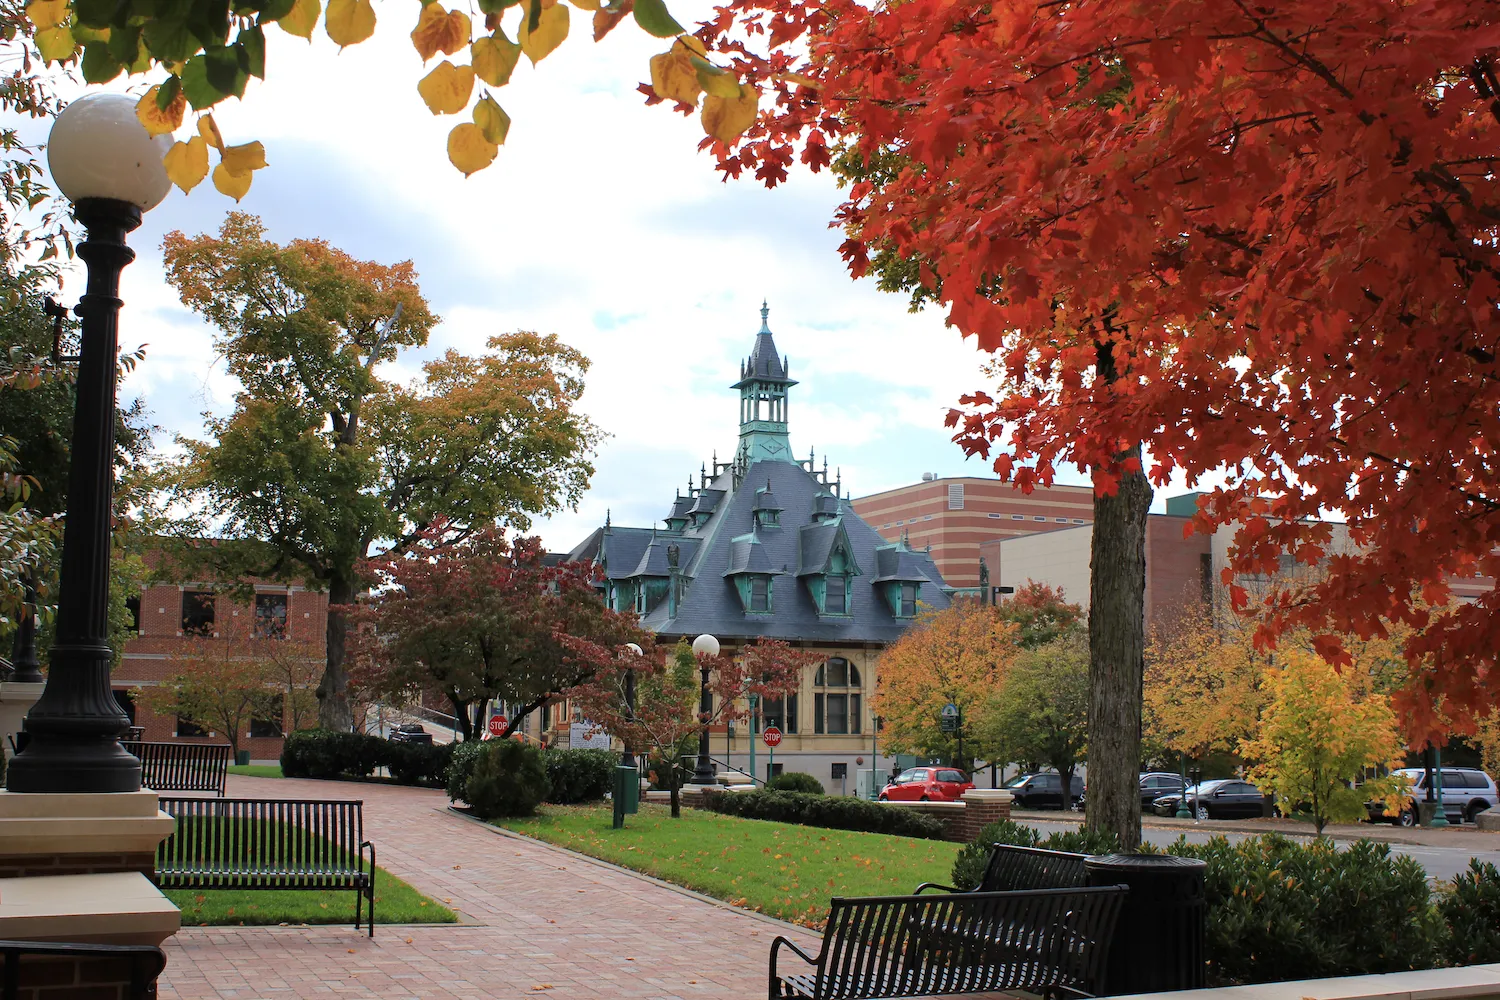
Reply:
x=1462, y=837
x=536, y=921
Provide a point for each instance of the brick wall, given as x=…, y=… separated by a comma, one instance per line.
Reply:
x=47, y=978
x=17, y=865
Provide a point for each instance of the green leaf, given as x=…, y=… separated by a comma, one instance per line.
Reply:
x=533, y=14
x=496, y=6
x=209, y=20
x=718, y=82
x=94, y=13
x=196, y=86
x=253, y=40
x=224, y=71
x=170, y=41
x=167, y=92
x=274, y=10
x=125, y=43
x=99, y=66
x=653, y=18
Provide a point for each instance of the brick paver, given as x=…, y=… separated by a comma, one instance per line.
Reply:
x=538, y=922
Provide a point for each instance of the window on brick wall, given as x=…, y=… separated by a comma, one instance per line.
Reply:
x=133, y=608
x=270, y=726
x=197, y=612
x=126, y=701
x=187, y=727
x=270, y=616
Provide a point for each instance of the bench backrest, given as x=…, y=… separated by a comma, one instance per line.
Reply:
x=133, y=967
x=974, y=942
x=1013, y=868
x=182, y=767
x=281, y=834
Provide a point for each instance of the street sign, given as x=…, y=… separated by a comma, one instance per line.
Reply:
x=497, y=725
x=948, y=719
x=772, y=736
x=950, y=711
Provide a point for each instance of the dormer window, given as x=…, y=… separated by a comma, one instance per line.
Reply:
x=908, y=601
x=835, y=595
x=760, y=593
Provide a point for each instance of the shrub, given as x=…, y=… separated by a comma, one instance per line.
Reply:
x=1279, y=910
x=509, y=779
x=1082, y=841
x=419, y=763
x=320, y=753
x=796, y=781
x=579, y=775
x=461, y=767
x=1472, y=913
x=836, y=812
x=968, y=867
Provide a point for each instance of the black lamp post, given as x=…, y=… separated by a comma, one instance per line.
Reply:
x=703, y=774
x=627, y=758
x=106, y=164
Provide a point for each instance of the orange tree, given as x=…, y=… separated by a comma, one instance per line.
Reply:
x=323, y=461
x=957, y=656
x=1203, y=690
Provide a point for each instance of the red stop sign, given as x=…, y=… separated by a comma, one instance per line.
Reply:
x=497, y=725
x=772, y=736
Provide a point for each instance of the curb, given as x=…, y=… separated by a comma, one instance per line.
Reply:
x=1378, y=834
x=621, y=869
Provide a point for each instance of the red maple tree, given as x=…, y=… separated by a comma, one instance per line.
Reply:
x=1277, y=223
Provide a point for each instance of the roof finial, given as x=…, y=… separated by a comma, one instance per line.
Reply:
x=606, y=517
x=765, y=312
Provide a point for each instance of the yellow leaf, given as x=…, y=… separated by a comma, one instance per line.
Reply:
x=349, y=22
x=674, y=77
x=718, y=82
x=550, y=31
x=726, y=119
x=300, y=21
x=209, y=129
x=469, y=150
x=440, y=30
x=187, y=163
x=494, y=58
x=587, y=4
x=447, y=88
x=47, y=13
x=234, y=185
x=492, y=120
x=56, y=44
x=241, y=160
x=157, y=121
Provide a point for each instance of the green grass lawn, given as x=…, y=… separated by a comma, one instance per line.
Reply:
x=395, y=903
x=257, y=770
x=784, y=870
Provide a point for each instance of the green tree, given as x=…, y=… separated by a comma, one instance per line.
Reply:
x=323, y=462
x=1041, y=713
x=1322, y=729
x=221, y=685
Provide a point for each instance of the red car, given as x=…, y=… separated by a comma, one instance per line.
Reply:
x=927, y=784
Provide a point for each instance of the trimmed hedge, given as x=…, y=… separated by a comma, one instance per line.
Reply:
x=509, y=779
x=461, y=768
x=319, y=753
x=1472, y=913
x=968, y=867
x=419, y=763
x=579, y=775
x=836, y=812
x=796, y=781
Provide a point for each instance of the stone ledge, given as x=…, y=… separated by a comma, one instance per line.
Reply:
x=1474, y=981
x=1488, y=820
x=36, y=823
x=108, y=908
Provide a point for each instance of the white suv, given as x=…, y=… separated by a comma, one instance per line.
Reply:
x=1466, y=793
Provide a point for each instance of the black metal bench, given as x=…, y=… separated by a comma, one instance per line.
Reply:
x=182, y=767
x=135, y=965
x=1052, y=942
x=268, y=844
x=1012, y=868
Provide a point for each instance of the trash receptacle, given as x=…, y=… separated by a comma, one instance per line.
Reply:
x=242, y=757
x=625, y=794
x=1159, y=942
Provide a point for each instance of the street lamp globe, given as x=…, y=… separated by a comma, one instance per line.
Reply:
x=705, y=645
x=99, y=149
x=635, y=649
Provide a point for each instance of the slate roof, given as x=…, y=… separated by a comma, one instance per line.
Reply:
x=747, y=555
x=894, y=563
x=764, y=364
x=815, y=545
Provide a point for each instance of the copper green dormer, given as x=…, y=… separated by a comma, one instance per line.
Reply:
x=763, y=389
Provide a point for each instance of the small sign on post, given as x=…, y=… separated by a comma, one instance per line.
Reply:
x=771, y=737
x=948, y=719
x=497, y=725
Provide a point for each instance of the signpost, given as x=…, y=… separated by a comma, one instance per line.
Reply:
x=951, y=720
x=497, y=725
x=772, y=738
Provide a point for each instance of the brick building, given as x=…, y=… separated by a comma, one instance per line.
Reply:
x=168, y=617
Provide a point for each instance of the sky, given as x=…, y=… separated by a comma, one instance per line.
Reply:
x=601, y=222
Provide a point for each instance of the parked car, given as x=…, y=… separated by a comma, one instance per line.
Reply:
x=1222, y=798
x=1043, y=791
x=927, y=784
x=1155, y=784
x=410, y=732
x=1467, y=792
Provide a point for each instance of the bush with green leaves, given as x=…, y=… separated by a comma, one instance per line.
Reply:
x=509, y=779
x=835, y=812
x=321, y=753
x=796, y=781
x=1472, y=912
x=968, y=867
x=419, y=763
x=461, y=767
x=1280, y=910
x=580, y=775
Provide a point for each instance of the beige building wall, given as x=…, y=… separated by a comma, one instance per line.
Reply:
x=1058, y=558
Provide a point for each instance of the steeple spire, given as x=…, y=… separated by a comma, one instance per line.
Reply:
x=765, y=313
x=763, y=389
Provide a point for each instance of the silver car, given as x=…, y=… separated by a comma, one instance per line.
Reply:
x=1467, y=792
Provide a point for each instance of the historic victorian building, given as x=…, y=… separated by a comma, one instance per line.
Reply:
x=765, y=545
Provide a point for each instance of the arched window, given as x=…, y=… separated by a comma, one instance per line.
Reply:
x=838, y=704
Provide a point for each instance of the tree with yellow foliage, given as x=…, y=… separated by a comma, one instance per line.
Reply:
x=958, y=656
x=1202, y=692
x=1319, y=733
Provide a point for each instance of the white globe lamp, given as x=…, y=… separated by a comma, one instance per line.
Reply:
x=99, y=149
x=705, y=645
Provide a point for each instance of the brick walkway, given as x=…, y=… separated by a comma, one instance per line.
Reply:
x=538, y=922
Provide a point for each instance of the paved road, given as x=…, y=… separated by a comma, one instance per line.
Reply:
x=1440, y=862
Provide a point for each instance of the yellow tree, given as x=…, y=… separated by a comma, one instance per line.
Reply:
x=957, y=656
x=1319, y=733
x=1203, y=691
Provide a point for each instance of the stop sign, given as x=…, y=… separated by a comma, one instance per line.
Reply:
x=497, y=725
x=772, y=736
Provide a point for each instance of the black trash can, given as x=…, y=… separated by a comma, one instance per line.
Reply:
x=1159, y=941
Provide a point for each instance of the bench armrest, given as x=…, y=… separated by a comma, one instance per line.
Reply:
x=776, y=946
x=362, y=845
x=936, y=885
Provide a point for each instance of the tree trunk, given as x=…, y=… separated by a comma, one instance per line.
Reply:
x=460, y=715
x=1117, y=640
x=334, y=711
